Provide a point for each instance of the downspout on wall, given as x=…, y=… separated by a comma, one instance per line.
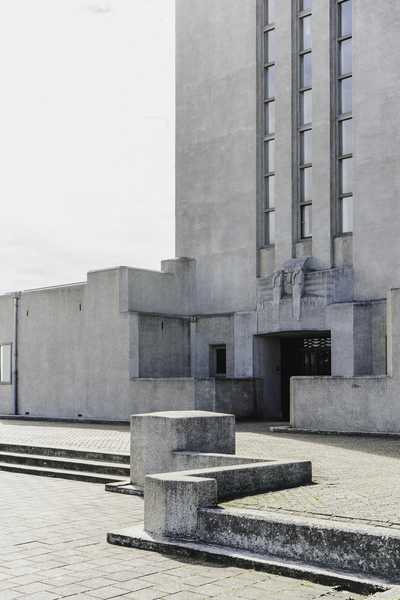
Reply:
x=16, y=295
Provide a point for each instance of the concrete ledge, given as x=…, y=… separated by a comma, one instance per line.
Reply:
x=173, y=500
x=138, y=538
x=364, y=549
x=289, y=429
x=124, y=487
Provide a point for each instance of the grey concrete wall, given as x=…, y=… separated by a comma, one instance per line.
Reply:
x=323, y=135
x=379, y=333
x=240, y=397
x=216, y=142
x=107, y=347
x=171, y=290
x=376, y=132
x=206, y=333
x=164, y=346
x=245, y=328
x=52, y=356
x=367, y=403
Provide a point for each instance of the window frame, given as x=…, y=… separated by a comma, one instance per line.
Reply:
x=214, y=348
x=340, y=118
x=268, y=209
x=9, y=345
x=302, y=127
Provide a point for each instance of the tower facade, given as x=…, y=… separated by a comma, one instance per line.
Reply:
x=287, y=189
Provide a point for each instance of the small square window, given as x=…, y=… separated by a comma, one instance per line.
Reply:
x=218, y=361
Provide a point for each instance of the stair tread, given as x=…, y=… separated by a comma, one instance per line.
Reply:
x=65, y=473
x=97, y=455
x=64, y=460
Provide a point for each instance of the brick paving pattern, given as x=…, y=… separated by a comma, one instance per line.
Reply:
x=53, y=545
x=355, y=478
x=53, y=532
x=66, y=435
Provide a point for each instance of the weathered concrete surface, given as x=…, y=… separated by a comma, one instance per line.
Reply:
x=136, y=537
x=217, y=134
x=368, y=403
x=367, y=550
x=173, y=500
x=155, y=436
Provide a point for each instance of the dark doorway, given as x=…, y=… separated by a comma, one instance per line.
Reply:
x=302, y=356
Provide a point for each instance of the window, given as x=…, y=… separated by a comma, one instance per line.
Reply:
x=269, y=121
x=218, y=361
x=305, y=119
x=345, y=120
x=5, y=363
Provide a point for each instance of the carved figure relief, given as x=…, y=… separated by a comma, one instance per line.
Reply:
x=277, y=292
x=297, y=291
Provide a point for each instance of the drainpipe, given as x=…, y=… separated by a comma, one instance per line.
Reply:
x=16, y=295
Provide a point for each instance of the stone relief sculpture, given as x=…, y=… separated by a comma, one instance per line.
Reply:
x=298, y=280
x=277, y=292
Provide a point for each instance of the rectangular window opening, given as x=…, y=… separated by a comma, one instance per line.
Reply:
x=5, y=363
x=218, y=361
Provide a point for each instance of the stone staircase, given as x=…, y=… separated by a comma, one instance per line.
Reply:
x=66, y=463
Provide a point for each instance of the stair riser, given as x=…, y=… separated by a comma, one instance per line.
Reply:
x=70, y=465
x=66, y=453
x=77, y=476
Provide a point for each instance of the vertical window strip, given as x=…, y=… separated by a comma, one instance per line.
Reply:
x=305, y=118
x=345, y=116
x=269, y=122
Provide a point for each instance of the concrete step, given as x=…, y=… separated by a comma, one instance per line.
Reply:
x=61, y=473
x=66, y=463
x=71, y=464
x=122, y=457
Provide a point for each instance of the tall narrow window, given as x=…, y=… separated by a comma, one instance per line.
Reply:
x=5, y=363
x=269, y=121
x=305, y=119
x=345, y=121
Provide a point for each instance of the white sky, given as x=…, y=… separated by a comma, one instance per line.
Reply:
x=86, y=138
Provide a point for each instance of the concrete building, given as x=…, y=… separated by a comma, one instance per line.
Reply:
x=287, y=213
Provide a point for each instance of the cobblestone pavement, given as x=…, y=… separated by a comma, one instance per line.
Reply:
x=53, y=545
x=52, y=536
x=355, y=478
x=66, y=435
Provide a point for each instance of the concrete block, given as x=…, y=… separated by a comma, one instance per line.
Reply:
x=155, y=435
x=172, y=502
x=362, y=549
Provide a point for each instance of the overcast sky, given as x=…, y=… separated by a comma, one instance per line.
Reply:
x=86, y=138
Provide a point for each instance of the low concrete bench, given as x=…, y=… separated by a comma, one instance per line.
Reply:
x=185, y=460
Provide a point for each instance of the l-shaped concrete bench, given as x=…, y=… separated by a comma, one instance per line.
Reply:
x=185, y=462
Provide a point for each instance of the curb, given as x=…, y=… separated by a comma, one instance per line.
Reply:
x=377, y=434
x=138, y=538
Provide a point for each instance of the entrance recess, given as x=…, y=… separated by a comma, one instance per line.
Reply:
x=302, y=356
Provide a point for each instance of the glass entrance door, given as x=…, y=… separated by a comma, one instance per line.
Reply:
x=307, y=356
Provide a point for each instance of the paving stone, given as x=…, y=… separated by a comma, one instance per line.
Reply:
x=54, y=531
